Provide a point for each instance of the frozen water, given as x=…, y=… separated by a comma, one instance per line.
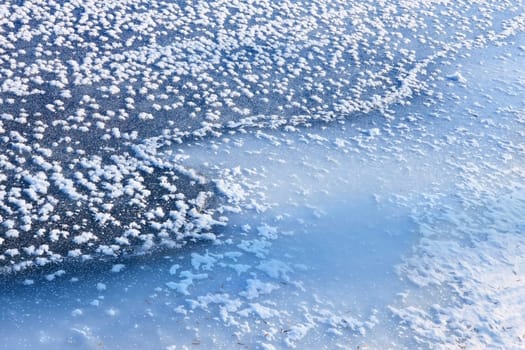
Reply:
x=300, y=174
x=91, y=92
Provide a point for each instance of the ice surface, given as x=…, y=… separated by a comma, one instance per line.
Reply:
x=301, y=174
x=90, y=92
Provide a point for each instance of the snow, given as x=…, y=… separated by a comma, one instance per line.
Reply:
x=255, y=288
x=116, y=268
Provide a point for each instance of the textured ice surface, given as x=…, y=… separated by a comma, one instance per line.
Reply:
x=356, y=171
x=91, y=90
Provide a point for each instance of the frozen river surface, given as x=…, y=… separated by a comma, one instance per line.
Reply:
x=262, y=175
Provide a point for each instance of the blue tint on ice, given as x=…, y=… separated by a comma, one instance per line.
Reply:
x=262, y=174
